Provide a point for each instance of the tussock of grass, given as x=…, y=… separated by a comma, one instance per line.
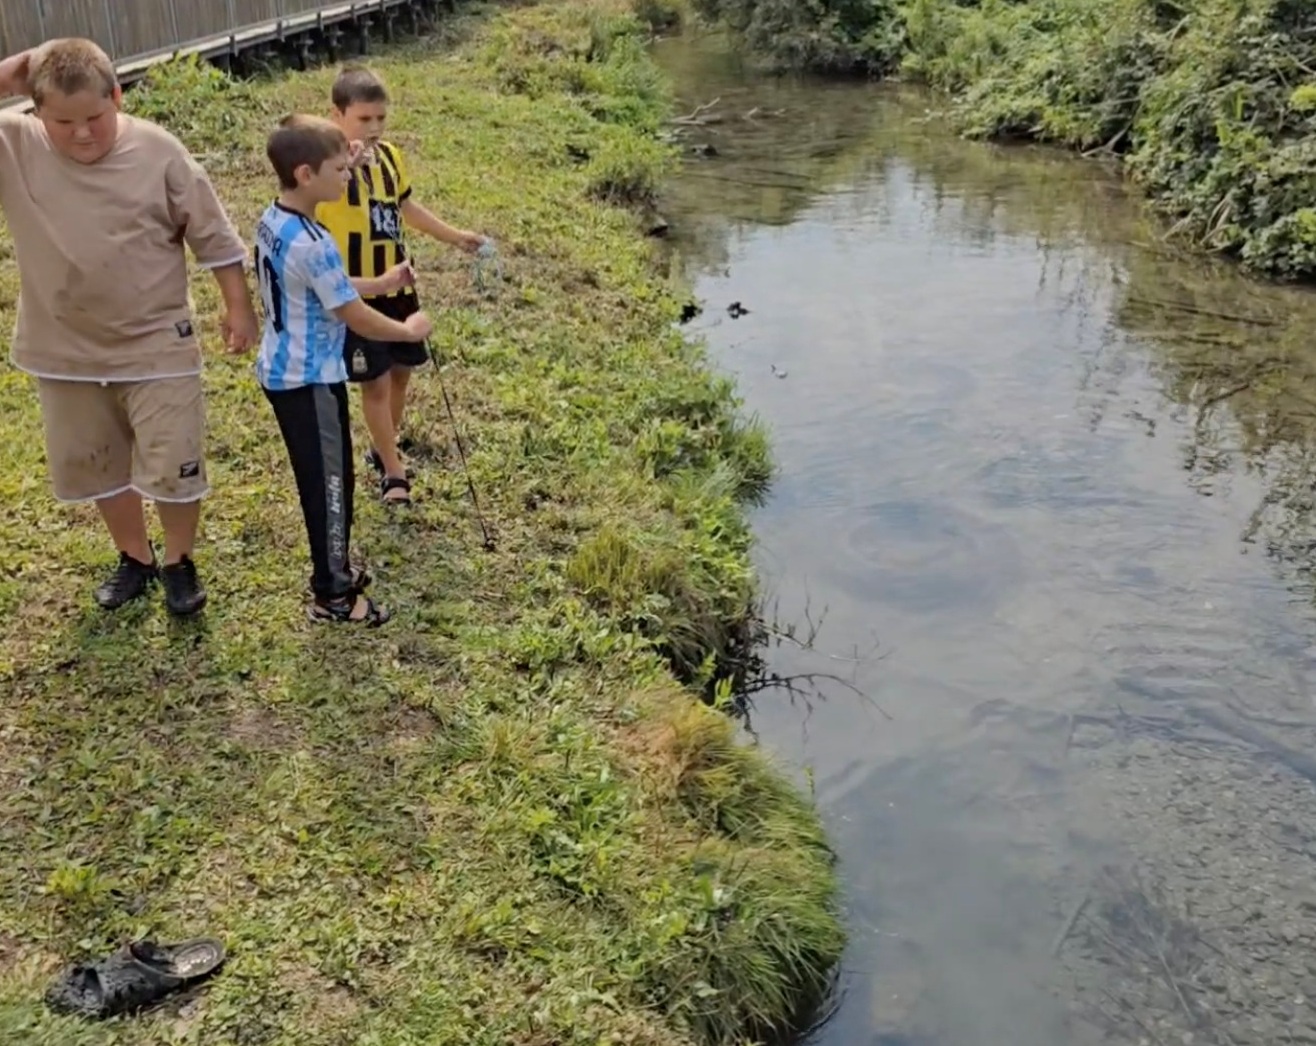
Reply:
x=498, y=820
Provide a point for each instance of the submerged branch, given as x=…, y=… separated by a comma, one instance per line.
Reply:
x=698, y=116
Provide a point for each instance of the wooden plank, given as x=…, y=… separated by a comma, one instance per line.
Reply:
x=253, y=12
x=20, y=25
x=199, y=19
x=297, y=7
x=143, y=26
x=205, y=27
x=86, y=18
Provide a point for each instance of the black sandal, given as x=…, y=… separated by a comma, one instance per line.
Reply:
x=392, y=483
x=339, y=611
x=376, y=463
x=138, y=975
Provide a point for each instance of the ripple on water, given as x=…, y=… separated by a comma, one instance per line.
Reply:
x=839, y=470
x=1061, y=479
x=935, y=381
x=926, y=557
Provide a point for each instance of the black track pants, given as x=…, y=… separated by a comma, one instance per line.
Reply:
x=317, y=431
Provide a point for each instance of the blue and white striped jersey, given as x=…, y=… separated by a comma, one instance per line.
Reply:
x=302, y=280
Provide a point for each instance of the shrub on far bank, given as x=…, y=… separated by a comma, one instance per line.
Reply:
x=1211, y=104
x=829, y=36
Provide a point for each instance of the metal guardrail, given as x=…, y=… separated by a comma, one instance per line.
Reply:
x=139, y=33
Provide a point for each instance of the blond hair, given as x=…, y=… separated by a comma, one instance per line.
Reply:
x=68, y=66
x=302, y=140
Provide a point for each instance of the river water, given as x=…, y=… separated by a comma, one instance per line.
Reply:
x=1050, y=488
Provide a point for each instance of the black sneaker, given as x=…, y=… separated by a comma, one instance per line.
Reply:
x=183, y=592
x=130, y=580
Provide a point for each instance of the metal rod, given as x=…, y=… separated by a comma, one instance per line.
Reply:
x=461, y=450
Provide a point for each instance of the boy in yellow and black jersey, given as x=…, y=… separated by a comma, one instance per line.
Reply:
x=368, y=224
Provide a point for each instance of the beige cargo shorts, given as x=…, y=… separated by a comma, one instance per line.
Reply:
x=104, y=438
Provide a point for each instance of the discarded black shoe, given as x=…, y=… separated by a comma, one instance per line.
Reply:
x=138, y=975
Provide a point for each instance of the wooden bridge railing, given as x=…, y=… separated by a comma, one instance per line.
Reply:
x=137, y=33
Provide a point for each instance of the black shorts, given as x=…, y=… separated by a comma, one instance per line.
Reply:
x=368, y=360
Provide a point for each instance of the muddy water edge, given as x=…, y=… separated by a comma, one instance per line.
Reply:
x=1050, y=487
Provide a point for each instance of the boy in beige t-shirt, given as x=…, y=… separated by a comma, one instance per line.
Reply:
x=100, y=205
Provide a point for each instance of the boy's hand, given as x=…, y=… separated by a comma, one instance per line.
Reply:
x=240, y=328
x=15, y=72
x=418, y=325
x=359, y=153
x=469, y=241
x=401, y=275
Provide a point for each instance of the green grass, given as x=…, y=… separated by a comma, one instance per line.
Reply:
x=501, y=819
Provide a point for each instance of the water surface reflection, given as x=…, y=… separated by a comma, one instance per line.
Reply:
x=1065, y=478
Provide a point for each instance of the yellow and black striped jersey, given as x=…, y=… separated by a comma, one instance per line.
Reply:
x=366, y=221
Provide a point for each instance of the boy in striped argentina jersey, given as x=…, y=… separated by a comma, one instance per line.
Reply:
x=310, y=304
x=368, y=222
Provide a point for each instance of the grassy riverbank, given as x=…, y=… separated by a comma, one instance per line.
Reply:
x=500, y=819
x=1209, y=104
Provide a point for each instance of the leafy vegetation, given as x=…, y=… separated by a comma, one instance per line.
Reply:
x=500, y=819
x=831, y=36
x=1211, y=104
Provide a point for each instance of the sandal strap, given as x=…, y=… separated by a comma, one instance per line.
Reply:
x=129, y=983
x=391, y=483
x=340, y=611
x=120, y=983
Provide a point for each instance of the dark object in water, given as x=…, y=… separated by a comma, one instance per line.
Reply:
x=735, y=310
x=704, y=149
x=689, y=311
x=657, y=226
x=138, y=975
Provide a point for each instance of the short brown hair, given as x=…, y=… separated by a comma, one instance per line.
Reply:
x=302, y=140
x=356, y=83
x=70, y=65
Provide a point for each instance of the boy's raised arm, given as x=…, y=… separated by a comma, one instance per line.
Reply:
x=14, y=74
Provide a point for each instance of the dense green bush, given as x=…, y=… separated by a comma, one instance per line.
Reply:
x=834, y=36
x=1211, y=103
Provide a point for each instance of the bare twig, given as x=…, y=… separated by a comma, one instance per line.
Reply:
x=754, y=676
x=1220, y=397
x=1070, y=923
x=698, y=115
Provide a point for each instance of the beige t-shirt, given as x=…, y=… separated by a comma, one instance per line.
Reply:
x=100, y=249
